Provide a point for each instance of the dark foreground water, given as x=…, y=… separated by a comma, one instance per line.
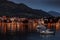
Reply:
x=32, y=36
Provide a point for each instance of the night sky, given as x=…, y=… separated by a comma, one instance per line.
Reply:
x=46, y=5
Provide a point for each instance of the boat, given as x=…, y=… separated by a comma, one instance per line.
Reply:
x=46, y=32
x=43, y=30
x=40, y=28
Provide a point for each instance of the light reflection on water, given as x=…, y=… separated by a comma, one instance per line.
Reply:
x=33, y=36
x=45, y=37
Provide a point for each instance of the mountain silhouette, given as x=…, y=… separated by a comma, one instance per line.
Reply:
x=9, y=8
x=54, y=13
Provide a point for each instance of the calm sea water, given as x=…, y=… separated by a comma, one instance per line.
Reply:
x=32, y=36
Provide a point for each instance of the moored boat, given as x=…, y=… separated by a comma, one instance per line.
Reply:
x=42, y=30
x=46, y=32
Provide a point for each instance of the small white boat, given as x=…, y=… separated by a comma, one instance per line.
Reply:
x=47, y=32
x=42, y=30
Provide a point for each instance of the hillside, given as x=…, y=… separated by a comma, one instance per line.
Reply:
x=9, y=8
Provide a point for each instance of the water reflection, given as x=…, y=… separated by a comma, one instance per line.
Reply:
x=30, y=36
x=47, y=37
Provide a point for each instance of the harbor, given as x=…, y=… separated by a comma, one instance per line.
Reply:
x=15, y=28
x=13, y=24
x=29, y=20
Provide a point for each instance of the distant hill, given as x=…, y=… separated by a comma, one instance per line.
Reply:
x=53, y=13
x=9, y=8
